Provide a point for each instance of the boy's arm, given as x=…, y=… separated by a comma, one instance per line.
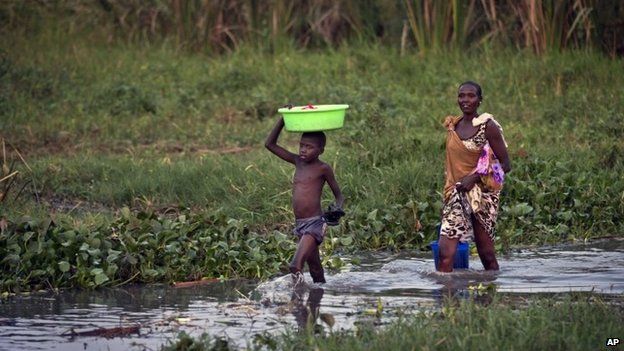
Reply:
x=271, y=143
x=333, y=185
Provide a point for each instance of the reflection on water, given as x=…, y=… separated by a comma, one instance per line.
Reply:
x=307, y=315
x=376, y=291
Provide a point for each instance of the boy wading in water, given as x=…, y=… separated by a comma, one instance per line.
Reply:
x=308, y=181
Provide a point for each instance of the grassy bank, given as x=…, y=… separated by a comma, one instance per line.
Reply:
x=543, y=324
x=177, y=138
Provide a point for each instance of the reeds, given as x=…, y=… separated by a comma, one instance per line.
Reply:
x=538, y=25
x=440, y=24
x=12, y=181
x=223, y=25
x=552, y=24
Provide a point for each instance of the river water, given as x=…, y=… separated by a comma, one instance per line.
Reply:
x=377, y=290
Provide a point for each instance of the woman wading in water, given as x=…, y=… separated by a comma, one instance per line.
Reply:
x=475, y=167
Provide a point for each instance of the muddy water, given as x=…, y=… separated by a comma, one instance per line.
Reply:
x=377, y=290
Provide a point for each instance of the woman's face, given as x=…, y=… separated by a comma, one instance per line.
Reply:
x=467, y=99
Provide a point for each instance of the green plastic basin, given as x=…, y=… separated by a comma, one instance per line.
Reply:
x=313, y=118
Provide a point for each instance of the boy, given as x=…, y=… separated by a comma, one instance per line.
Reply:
x=308, y=181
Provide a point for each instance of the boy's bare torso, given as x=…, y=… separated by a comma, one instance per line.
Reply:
x=307, y=188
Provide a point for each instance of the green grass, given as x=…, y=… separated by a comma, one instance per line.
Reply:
x=570, y=323
x=104, y=127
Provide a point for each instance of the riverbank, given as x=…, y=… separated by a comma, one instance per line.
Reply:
x=145, y=164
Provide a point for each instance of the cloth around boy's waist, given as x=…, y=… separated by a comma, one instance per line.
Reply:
x=309, y=219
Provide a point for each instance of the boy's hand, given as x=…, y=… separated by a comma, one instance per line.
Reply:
x=333, y=214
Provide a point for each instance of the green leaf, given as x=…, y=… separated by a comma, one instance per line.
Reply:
x=565, y=215
x=422, y=206
x=336, y=262
x=378, y=226
x=100, y=278
x=95, y=243
x=346, y=241
x=562, y=229
x=372, y=215
x=94, y=252
x=112, y=255
x=64, y=266
x=69, y=235
x=37, y=273
x=111, y=270
x=521, y=209
x=125, y=212
x=131, y=259
x=11, y=258
x=150, y=272
x=26, y=236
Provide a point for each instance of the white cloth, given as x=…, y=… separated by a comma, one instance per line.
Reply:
x=483, y=118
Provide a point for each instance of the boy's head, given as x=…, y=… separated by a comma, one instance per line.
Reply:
x=318, y=137
x=312, y=144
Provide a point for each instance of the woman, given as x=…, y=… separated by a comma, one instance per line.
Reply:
x=476, y=153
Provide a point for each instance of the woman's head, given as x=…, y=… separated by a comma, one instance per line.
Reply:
x=475, y=85
x=469, y=97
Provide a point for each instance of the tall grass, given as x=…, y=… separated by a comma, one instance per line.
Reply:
x=552, y=24
x=441, y=24
x=221, y=26
x=533, y=24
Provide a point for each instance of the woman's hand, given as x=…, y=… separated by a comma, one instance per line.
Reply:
x=466, y=183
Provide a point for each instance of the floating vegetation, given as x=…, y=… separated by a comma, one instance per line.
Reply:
x=137, y=247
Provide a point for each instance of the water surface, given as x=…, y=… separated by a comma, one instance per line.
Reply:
x=377, y=290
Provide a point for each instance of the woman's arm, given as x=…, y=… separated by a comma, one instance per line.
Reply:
x=467, y=182
x=495, y=138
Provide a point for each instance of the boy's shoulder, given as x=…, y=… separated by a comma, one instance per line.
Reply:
x=324, y=165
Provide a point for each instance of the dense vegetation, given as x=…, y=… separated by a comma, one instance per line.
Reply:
x=144, y=162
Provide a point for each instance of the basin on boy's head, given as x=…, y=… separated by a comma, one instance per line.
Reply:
x=313, y=118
